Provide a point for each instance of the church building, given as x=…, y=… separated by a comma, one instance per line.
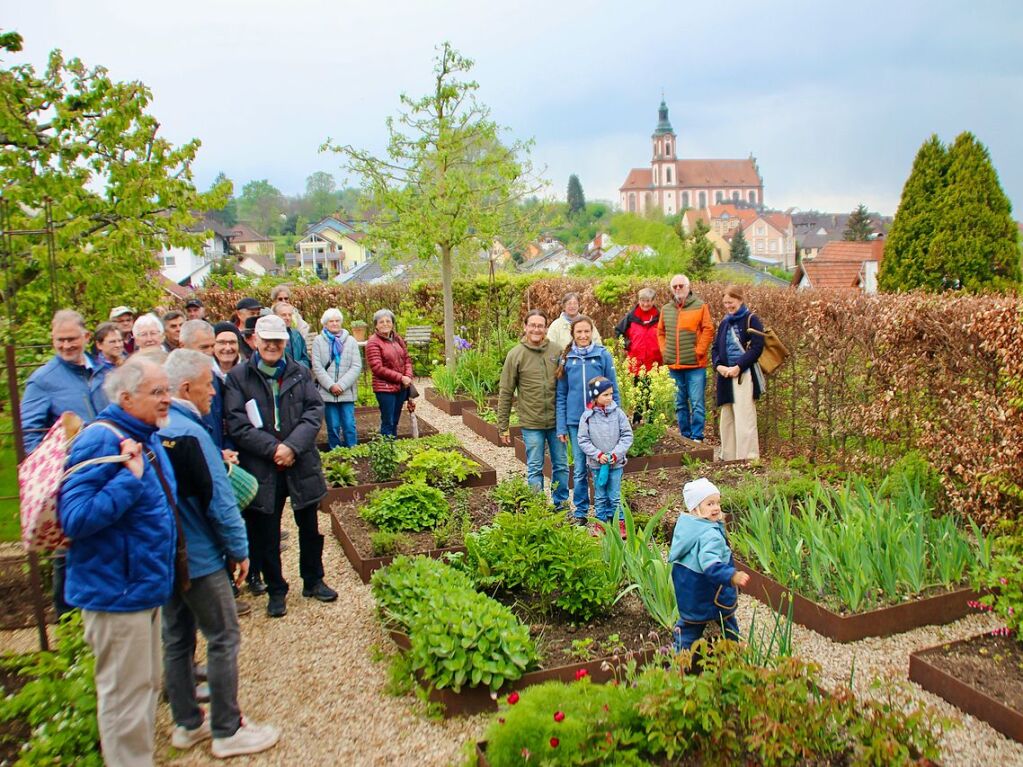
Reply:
x=672, y=185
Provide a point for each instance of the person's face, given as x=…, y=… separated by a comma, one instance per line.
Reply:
x=333, y=325
x=284, y=297
x=112, y=345
x=244, y=314
x=196, y=312
x=124, y=323
x=147, y=338
x=605, y=398
x=385, y=325
x=571, y=307
x=225, y=348
x=710, y=509
x=285, y=312
x=680, y=288
x=172, y=329
x=199, y=391
x=152, y=400
x=645, y=304
x=731, y=304
x=270, y=351
x=581, y=334
x=69, y=340
x=203, y=343
x=536, y=330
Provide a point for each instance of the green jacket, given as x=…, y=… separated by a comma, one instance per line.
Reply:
x=528, y=373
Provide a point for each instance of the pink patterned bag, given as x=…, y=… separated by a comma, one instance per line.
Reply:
x=40, y=476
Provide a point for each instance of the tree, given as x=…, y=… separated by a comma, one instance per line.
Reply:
x=740, y=248
x=576, y=200
x=262, y=206
x=84, y=146
x=700, y=248
x=320, y=197
x=227, y=215
x=858, y=227
x=447, y=186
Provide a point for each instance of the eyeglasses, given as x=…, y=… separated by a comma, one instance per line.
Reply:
x=536, y=326
x=285, y=299
x=159, y=391
x=149, y=334
x=679, y=287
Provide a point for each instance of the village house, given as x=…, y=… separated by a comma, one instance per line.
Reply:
x=185, y=266
x=769, y=236
x=330, y=247
x=842, y=265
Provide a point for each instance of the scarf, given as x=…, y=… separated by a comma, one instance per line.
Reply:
x=335, y=342
x=581, y=350
x=739, y=315
x=275, y=374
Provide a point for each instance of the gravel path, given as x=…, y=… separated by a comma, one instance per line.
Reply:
x=314, y=675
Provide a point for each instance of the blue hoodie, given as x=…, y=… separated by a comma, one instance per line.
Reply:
x=703, y=570
x=572, y=397
x=58, y=387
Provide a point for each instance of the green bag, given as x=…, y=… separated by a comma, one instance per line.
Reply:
x=245, y=485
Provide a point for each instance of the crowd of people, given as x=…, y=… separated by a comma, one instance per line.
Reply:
x=164, y=543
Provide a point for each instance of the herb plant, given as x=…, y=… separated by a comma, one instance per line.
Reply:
x=385, y=542
x=644, y=437
x=339, y=473
x=410, y=507
x=440, y=468
x=452, y=530
x=383, y=458
x=515, y=494
x=444, y=381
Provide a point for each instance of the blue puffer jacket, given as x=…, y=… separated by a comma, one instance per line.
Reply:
x=571, y=398
x=605, y=430
x=702, y=570
x=212, y=524
x=122, y=529
x=58, y=387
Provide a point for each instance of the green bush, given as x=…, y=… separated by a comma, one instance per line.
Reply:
x=383, y=458
x=440, y=468
x=339, y=473
x=515, y=494
x=1004, y=576
x=411, y=507
x=644, y=437
x=401, y=588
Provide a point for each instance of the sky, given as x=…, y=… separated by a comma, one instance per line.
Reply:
x=833, y=100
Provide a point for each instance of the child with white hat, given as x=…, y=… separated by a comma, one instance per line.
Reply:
x=703, y=569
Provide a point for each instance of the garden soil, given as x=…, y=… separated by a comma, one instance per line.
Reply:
x=991, y=664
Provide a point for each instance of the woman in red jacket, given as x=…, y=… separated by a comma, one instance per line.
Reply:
x=639, y=329
x=391, y=366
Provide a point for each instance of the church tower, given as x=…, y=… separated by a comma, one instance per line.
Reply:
x=663, y=161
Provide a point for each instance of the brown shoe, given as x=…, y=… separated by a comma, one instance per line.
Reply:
x=242, y=606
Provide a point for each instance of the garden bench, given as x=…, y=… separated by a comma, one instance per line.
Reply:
x=418, y=335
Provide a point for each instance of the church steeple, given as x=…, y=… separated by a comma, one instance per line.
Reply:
x=663, y=124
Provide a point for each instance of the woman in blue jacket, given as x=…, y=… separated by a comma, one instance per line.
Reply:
x=582, y=360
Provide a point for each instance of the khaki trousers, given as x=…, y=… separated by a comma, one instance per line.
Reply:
x=128, y=670
x=739, y=438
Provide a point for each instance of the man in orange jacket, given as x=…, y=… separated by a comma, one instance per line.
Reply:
x=685, y=333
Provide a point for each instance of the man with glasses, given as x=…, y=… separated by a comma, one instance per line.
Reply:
x=124, y=318
x=281, y=294
x=685, y=332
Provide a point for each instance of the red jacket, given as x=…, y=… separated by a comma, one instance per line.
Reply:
x=639, y=329
x=388, y=361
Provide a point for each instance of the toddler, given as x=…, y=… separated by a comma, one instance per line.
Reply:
x=605, y=436
x=703, y=570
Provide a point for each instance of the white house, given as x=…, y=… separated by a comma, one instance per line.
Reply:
x=190, y=267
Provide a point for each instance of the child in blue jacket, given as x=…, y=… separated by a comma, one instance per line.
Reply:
x=703, y=570
x=605, y=436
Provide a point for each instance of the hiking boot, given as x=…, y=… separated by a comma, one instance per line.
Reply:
x=183, y=739
x=256, y=586
x=320, y=591
x=242, y=607
x=250, y=738
x=277, y=606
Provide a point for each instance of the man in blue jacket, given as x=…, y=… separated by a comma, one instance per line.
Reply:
x=121, y=562
x=214, y=532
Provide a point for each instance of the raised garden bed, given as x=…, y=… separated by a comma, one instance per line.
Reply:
x=943, y=607
x=366, y=485
x=17, y=606
x=449, y=406
x=982, y=676
x=367, y=425
x=353, y=533
x=484, y=428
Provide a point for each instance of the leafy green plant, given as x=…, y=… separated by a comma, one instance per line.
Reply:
x=412, y=506
x=339, y=473
x=453, y=529
x=385, y=542
x=444, y=381
x=401, y=587
x=644, y=437
x=515, y=494
x=440, y=468
x=1004, y=576
x=383, y=458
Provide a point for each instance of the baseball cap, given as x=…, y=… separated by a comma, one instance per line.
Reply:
x=271, y=328
x=248, y=303
x=193, y=303
x=118, y=311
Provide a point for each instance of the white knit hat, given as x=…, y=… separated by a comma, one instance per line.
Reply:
x=697, y=491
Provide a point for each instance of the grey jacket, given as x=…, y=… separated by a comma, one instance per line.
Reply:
x=346, y=374
x=607, y=431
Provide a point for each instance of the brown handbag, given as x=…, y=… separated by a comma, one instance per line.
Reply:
x=774, y=354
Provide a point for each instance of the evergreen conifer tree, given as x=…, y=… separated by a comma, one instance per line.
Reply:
x=576, y=200
x=740, y=248
x=858, y=227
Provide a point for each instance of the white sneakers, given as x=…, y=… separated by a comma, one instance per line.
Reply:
x=251, y=738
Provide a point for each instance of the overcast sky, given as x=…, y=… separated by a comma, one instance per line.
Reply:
x=832, y=99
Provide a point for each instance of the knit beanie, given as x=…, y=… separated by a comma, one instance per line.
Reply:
x=599, y=387
x=697, y=491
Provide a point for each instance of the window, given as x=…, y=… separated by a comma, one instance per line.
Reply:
x=773, y=246
x=655, y=175
x=685, y=199
x=703, y=200
x=719, y=197
x=632, y=202
x=667, y=149
x=761, y=229
x=667, y=175
x=760, y=246
x=753, y=197
x=168, y=259
x=735, y=195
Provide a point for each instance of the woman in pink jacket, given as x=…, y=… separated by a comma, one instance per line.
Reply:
x=391, y=366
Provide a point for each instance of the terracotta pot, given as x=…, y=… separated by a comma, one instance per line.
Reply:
x=359, y=332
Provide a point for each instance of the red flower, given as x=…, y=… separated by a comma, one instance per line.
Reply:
x=513, y=699
x=500, y=720
x=525, y=754
x=555, y=742
x=559, y=716
x=581, y=673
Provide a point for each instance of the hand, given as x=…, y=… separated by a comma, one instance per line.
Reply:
x=135, y=462
x=230, y=456
x=284, y=456
x=740, y=579
x=411, y=405
x=240, y=571
x=734, y=371
x=406, y=381
x=563, y=437
x=506, y=440
x=603, y=458
x=722, y=370
x=337, y=390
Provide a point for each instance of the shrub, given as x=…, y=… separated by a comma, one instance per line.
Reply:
x=383, y=458
x=1004, y=576
x=644, y=437
x=440, y=468
x=412, y=507
x=515, y=494
x=400, y=588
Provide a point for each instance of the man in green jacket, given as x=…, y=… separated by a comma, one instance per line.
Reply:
x=529, y=374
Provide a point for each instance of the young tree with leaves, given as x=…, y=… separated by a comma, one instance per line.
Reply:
x=447, y=186
x=858, y=227
x=228, y=215
x=740, y=248
x=118, y=191
x=576, y=200
x=700, y=248
x=262, y=206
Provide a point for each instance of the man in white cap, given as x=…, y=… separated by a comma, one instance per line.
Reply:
x=124, y=318
x=703, y=569
x=273, y=414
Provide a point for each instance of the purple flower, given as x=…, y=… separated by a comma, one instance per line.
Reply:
x=462, y=344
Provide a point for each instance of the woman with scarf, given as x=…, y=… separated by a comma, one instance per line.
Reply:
x=739, y=380
x=638, y=328
x=337, y=363
x=560, y=331
x=109, y=346
x=582, y=360
x=391, y=366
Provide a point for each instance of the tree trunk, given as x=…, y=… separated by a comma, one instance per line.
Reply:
x=449, y=307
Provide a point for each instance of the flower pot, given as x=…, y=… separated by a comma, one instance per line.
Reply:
x=359, y=332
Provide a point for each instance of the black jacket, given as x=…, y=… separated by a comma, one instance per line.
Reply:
x=753, y=343
x=301, y=412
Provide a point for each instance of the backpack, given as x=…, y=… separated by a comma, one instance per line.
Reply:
x=40, y=477
x=774, y=353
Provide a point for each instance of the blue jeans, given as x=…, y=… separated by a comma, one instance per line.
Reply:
x=208, y=605
x=689, y=408
x=536, y=440
x=390, y=410
x=687, y=633
x=341, y=424
x=580, y=476
x=607, y=499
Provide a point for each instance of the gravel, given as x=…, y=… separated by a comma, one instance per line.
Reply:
x=314, y=673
